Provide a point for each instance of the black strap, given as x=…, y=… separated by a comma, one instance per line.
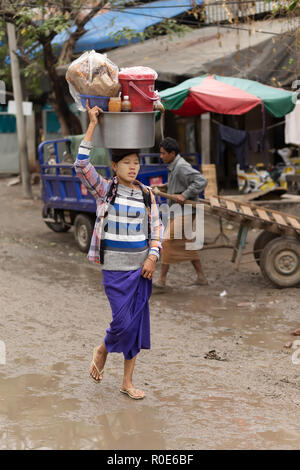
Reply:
x=147, y=199
x=107, y=197
x=148, y=202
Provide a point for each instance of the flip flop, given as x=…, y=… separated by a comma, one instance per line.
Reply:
x=158, y=285
x=128, y=391
x=100, y=372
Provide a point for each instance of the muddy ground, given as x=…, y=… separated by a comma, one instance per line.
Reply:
x=53, y=310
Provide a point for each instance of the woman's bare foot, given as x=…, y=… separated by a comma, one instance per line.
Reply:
x=132, y=392
x=99, y=359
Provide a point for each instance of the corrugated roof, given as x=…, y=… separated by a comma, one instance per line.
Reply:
x=101, y=28
x=191, y=55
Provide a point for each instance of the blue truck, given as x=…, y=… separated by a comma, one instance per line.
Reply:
x=67, y=202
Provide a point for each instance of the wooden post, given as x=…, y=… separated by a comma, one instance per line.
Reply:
x=31, y=144
x=24, y=166
x=209, y=172
x=205, y=138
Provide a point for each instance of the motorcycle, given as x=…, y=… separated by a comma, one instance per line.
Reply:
x=258, y=178
x=254, y=178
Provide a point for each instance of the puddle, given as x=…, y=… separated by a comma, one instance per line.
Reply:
x=53, y=311
x=255, y=325
x=35, y=415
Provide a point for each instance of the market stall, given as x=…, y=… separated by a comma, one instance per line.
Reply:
x=226, y=95
x=233, y=96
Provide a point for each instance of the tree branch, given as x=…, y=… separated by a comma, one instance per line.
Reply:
x=68, y=47
x=27, y=60
x=91, y=14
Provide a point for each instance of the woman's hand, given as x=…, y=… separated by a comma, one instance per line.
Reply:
x=93, y=113
x=149, y=267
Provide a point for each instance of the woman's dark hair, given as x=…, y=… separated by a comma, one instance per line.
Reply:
x=170, y=145
x=118, y=154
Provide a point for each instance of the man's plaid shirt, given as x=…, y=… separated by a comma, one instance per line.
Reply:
x=99, y=188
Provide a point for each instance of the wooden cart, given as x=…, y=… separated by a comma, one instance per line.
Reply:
x=276, y=249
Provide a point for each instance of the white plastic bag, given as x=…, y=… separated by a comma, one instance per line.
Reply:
x=92, y=74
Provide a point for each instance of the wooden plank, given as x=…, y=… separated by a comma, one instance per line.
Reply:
x=247, y=210
x=276, y=202
x=209, y=172
x=263, y=215
x=231, y=206
x=279, y=219
x=214, y=202
x=255, y=206
x=293, y=222
x=291, y=197
x=222, y=212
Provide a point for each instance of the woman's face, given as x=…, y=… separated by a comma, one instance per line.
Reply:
x=127, y=169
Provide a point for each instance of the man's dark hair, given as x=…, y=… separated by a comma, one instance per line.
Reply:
x=170, y=145
x=118, y=154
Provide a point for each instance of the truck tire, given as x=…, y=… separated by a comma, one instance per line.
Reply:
x=280, y=262
x=58, y=226
x=83, y=226
x=260, y=242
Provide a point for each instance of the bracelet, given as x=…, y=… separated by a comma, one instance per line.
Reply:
x=87, y=143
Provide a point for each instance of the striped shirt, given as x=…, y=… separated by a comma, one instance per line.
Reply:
x=125, y=231
x=99, y=188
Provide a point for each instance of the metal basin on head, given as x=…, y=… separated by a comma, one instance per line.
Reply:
x=125, y=130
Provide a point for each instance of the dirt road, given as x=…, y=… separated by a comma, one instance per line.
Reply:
x=53, y=310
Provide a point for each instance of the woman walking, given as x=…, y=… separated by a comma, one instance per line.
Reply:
x=126, y=242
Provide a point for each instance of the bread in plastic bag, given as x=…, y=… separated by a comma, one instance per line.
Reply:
x=92, y=74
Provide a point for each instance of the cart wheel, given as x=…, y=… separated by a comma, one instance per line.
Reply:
x=83, y=232
x=260, y=242
x=280, y=262
x=58, y=226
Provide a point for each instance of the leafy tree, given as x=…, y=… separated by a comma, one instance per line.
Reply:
x=37, y=23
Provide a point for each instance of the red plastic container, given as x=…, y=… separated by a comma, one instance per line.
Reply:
x=138, y=83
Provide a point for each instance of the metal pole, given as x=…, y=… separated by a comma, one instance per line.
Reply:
x=205, y=138
x=24, y=166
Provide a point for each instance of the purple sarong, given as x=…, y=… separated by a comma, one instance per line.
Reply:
x=128, y=293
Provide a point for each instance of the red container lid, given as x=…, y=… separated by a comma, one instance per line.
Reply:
x=137, y=73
